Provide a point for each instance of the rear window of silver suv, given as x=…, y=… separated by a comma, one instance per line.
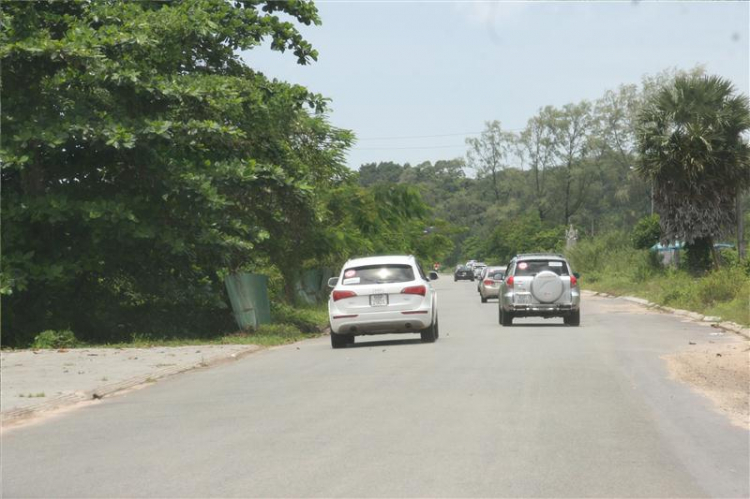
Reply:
x=533, y=267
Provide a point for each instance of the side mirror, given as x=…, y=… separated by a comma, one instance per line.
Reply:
x=332, y=282
x=433, y=275
x=576, y=275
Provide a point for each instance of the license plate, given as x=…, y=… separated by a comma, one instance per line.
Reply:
x=378, y=300
x=523, y=299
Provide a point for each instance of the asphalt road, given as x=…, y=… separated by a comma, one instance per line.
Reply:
x=534, y=410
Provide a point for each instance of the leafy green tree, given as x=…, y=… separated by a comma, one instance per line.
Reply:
x=646, y=232
x=142, y=160
x=690, y=137
x=536, y=148
x=573, y=130
x=524, y=235
x=488, y=154
x=377, y=173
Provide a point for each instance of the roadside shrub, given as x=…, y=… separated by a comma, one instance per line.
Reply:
x=279, y=330
x=729, y=257
x=55, y=339
x=721, y=286
x=307, y=320
x=646, y=232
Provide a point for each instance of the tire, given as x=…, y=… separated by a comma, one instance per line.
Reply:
x=339, y=340
x=430, y=335
x=547, y=287
x=506, y=318
x=574, y=319
x=349, y=339
x=484, y=300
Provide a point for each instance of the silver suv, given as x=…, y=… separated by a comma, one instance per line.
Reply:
x=540, y=285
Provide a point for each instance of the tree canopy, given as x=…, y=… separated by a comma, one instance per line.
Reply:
x=143, y=160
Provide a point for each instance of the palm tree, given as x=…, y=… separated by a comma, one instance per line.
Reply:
x=693, y=147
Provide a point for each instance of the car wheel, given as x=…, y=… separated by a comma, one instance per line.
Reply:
x=506, y=318
x=430, y=334
x=339, y=340
x=349, y=339
x=484, y=300
x=574, y=319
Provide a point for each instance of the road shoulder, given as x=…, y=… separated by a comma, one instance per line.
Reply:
x=38, y=382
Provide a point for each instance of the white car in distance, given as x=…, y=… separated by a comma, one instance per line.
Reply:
x=382, y=295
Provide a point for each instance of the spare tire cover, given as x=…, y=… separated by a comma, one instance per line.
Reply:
x=547, y=286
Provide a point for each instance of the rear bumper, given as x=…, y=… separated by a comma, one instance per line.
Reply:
x=463, y=277
x=412, y=321
x=541, y=309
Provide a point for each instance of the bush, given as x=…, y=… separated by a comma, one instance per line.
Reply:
x=307, y=320
x=281, y=330
x=55, y=339
x=646, y=232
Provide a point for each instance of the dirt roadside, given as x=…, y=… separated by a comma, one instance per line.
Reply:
x=42, y=382
x=719, y=371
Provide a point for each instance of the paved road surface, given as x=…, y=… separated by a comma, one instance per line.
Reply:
x=538, y=410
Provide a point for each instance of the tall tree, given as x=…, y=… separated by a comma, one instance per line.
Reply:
x=142, y=159
x=488, y=154
x=573, y=128
x=692, y=145
x=536, y=147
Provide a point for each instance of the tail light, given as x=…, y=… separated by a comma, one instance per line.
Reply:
x=340, y=295
x=509, y=282
x=489, y=282
x=573, y=281
x=414, y=290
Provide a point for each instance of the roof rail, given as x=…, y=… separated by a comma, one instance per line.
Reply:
x=524, y=255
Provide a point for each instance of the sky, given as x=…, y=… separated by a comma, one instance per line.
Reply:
x=413, y=80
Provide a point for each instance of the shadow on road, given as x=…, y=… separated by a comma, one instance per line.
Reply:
x=382, y=343
x=536, y=325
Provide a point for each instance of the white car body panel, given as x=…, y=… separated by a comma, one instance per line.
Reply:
x=404, y=313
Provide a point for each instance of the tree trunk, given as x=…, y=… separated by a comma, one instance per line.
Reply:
x=699, y=255
x=740, y=229
x=494, y=185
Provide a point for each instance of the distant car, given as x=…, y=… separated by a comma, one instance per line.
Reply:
x=540, y=285
x=463, y=273
x=478, y=268
x=381, y=295
x=489, y=284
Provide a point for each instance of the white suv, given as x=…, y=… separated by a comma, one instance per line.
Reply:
x=381, y=295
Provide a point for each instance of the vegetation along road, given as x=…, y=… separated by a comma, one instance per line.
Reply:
x=536, y=409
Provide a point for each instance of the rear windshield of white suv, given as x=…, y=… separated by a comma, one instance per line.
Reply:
x=533, y=267
x=378, y=274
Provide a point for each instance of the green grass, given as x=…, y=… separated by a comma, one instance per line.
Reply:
x=609, y=265
x=32, y=395
x=290, y=324
x=266, y=335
